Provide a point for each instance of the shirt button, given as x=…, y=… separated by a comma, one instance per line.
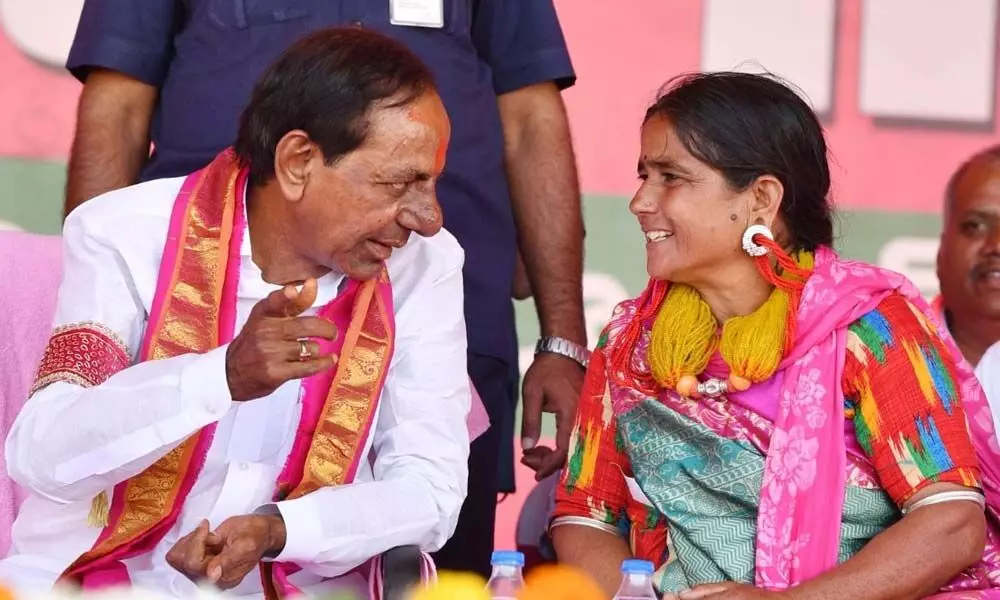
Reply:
x=357, y=24
x=244, y=466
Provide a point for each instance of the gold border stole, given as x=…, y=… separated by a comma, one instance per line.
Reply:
x=341, y=432
x=187, y=323
x=346, y=421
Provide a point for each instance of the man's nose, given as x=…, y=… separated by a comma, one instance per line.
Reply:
x=991, y=245
x=423, y=216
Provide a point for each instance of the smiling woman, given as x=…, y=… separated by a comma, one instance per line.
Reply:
x=764, y=399
x=691, y=185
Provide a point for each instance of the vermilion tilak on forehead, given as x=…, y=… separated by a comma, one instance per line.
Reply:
x=442, y=151
x=429, y=111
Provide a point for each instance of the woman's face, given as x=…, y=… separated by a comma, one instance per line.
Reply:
x=692, y=220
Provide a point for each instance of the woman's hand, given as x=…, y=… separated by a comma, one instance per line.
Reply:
x=725, y=591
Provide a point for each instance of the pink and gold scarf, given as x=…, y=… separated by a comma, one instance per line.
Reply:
x=194, y=311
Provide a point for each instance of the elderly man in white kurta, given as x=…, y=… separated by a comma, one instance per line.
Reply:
x=258, y=375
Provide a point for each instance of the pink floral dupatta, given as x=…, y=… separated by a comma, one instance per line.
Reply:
x=802, y=495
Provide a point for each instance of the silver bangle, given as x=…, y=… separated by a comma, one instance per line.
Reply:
x=584, y=522
x=563, y=347
x=950, y=496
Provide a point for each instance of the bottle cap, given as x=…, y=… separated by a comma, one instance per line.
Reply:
x=507, y=558
x=638, y=567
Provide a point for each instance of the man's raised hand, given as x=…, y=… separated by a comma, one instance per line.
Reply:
x=274, y=345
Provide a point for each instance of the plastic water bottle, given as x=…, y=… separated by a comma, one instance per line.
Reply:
x=637, y=581
x=506, y=580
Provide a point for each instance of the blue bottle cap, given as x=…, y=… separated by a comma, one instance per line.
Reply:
x=638, y=567
x=509, y=558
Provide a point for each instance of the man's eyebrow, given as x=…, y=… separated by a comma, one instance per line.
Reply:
x=982, y=213
x=407, y=173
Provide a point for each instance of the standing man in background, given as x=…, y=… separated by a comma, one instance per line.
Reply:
x=177, y=73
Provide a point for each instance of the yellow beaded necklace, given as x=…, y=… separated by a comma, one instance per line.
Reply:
x=685, y=335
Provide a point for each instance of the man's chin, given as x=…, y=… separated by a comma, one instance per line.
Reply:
x=989, y=311
x=363, y=271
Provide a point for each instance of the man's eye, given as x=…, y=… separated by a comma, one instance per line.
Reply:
x=400, y=186
x=973, y=227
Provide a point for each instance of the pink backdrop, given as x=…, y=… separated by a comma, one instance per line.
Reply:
x=621, y=58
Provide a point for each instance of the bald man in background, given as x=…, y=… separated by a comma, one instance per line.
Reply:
x=968, y=267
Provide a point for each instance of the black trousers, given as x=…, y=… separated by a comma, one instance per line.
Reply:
x=471, y=546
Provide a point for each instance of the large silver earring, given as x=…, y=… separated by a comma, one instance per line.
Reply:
x=751, y=247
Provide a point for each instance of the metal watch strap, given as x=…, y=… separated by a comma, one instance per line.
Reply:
x=563, y=347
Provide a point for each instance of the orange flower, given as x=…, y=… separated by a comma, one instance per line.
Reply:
x=560, y=582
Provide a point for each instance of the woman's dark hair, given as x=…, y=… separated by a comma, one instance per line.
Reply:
x=326, y=84
x=745, y=126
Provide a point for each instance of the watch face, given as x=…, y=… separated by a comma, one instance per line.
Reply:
x=563, y=347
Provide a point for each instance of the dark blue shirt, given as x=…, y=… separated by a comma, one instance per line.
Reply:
x=205, y=56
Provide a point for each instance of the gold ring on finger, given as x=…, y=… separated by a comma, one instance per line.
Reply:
x=304, y=353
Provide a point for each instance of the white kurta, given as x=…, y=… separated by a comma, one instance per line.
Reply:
x=70, y=443
x=988, y=373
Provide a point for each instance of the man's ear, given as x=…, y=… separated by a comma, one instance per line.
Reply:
x=294, y=157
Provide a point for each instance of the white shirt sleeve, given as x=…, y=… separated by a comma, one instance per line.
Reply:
x=69, y=442
x=988, y=373
x=421, y=446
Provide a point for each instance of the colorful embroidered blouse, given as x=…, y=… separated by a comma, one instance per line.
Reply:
x=899, y=391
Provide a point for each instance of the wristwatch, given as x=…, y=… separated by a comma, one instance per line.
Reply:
x=563, y=347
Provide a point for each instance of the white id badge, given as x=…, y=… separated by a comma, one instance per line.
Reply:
x=417, y=13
